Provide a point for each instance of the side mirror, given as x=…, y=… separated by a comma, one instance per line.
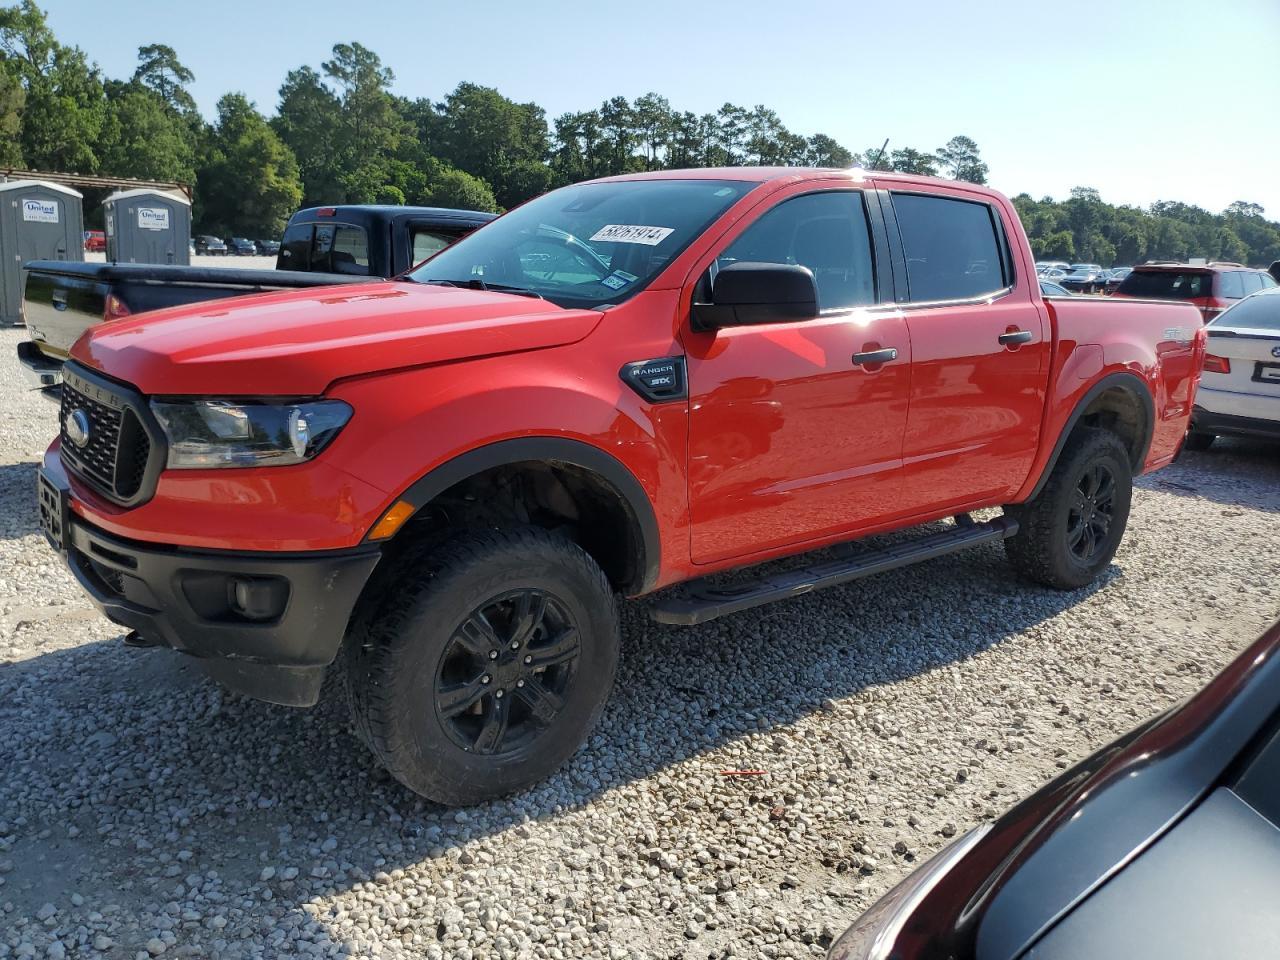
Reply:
x=750, y=293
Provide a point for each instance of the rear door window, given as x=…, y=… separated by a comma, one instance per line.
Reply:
x=1231, y=285
x=1252, y=282
x=1167, y=284
x=340, y=248
x=952, y=248
x=350, y=250
x=295, y=248
x=429, y=241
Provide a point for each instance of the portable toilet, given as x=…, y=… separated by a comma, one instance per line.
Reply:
x=148, y=226
x=38, y=221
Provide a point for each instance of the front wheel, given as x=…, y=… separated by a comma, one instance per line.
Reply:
x=486, y=665
x=1070, y=531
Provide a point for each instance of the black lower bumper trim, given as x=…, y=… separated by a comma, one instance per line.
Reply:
x=1226, y=425
x=266, y=624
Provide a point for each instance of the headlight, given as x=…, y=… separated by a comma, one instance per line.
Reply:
x=873, y=934
x=233, y=433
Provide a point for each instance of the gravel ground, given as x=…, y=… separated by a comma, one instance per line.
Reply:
x=145, y=812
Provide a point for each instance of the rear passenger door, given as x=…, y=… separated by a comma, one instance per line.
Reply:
x=980, y=348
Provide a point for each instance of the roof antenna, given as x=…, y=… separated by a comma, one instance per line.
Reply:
x=885, y=147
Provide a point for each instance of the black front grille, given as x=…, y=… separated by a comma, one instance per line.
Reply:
x=103, y=439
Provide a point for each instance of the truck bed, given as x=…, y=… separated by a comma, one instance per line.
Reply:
x=63, y=299
x=1095, y=333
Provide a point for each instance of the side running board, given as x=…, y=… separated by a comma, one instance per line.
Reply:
x=700, y=601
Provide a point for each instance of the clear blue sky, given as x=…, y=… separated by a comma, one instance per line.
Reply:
x=1142, y=99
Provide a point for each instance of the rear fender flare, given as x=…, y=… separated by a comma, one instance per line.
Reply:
x=1130, y=383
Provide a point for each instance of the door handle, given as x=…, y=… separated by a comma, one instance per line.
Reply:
x=1014, y=337
x=875, y=356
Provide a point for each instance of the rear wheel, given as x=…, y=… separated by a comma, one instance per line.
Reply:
x=1197, y=441
x=1068, y=534
x=485, y=668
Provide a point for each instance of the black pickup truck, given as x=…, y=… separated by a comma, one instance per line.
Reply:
x=321, y=246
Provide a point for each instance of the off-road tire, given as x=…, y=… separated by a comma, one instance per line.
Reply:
x=398, y=648
x=1042, y=548
x=1197, y=441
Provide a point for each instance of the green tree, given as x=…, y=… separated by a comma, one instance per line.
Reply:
x=371, y=127
x=12, y=99
x=960, y=160
x=824, y=151
x=249, y=180
x=876, y=158
x=143, y=138
x=910, y=160
x=160, y=70
x=489, y=136
x=617, y=130
x=454, y=188
x=64, y=103
x=654, y=127
x=308, y=120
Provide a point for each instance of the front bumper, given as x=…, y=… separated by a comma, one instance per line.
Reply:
x=265, y=624
x=1230, y=425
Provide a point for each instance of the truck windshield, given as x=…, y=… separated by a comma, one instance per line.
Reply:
x=586, y=245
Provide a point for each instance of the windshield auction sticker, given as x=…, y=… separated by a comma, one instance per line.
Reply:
x=627, y=233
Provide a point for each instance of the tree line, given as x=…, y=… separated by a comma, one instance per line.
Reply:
x=340, y=135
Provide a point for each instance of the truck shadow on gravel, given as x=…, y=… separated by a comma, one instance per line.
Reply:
x=1234, y=472
x=18, y=494
x=134, y=783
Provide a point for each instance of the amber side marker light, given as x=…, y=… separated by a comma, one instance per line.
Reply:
x=392, y=520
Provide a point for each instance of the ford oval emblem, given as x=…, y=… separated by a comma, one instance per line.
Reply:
x=1275, y=351
x=77, y=424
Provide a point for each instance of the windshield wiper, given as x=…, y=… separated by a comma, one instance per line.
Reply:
x=477, y=283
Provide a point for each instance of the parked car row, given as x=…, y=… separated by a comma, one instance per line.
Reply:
x=1081, y=277
x=235, y=247
x=1212, y=286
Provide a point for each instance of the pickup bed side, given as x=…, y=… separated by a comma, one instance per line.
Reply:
x=1137, y=378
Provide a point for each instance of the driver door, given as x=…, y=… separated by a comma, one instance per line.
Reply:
x=791, y=439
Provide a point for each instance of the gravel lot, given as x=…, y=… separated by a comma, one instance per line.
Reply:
x=144, y=812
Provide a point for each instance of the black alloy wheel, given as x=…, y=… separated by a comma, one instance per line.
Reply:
x=506, y=671
x=1090, y=514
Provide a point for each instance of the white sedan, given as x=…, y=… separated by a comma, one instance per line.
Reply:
x=1239, y=391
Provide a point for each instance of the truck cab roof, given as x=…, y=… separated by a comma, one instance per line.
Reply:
x=365, y=213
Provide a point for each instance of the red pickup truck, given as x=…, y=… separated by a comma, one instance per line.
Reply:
x=439, y=485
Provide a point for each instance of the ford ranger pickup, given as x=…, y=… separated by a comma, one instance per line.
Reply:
x=439, y=486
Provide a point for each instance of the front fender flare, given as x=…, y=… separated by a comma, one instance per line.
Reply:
x=554, y=450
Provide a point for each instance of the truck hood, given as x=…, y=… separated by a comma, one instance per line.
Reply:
x=298, y=342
